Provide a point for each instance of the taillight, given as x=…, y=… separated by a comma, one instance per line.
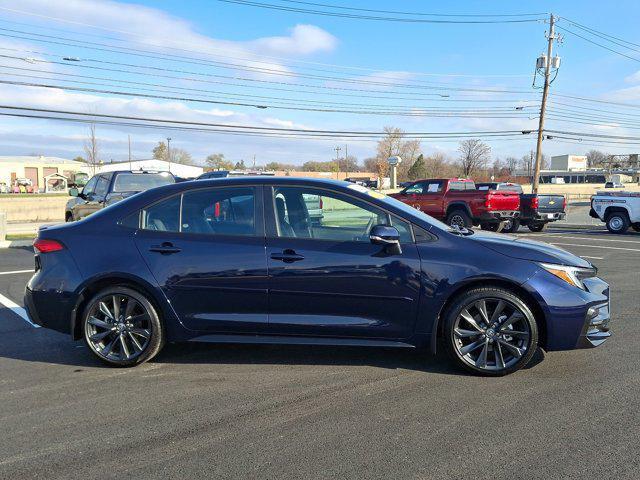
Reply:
x=320, y=203
x=535, y=203
x=43, y=245
x=564, y=203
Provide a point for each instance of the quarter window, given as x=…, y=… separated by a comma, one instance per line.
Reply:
x=310, y=213
x=102, y=186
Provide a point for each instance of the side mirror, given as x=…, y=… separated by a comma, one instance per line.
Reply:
x=387, y=236
x=384, y=235
x=73, y=192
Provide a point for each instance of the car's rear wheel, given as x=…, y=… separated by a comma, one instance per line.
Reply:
x=511, y=226
x=491, y=227
x=122, y=327
x=490, y=331
x=617, y=222
x=536, y=227
x=459, y=218
x=68, y=217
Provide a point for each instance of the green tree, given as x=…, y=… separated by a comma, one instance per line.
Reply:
x=79, y=159
x=240, y=165
x=418, y=169
x=217, y=161
x=160, y=151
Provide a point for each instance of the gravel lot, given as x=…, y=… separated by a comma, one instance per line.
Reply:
x=302, y=412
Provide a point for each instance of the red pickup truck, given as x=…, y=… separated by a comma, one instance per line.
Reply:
x=457, y=202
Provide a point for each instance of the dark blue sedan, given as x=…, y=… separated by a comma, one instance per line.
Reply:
x=239, y=260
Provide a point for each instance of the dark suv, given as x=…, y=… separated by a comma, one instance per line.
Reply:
x=240, y=260
x=107, y=188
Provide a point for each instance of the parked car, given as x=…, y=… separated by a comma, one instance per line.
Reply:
x=457, y=202
x=108, y=188
x=238, y=260
x=613, y=185
x=536, y=210
x=619, y=210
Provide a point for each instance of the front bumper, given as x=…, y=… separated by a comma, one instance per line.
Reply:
x=574, y=318
x=596, y=327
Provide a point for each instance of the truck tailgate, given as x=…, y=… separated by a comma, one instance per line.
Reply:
x=503, y=200
x=550, y=203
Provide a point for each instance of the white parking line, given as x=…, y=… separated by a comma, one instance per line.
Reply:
x=583, y=238
x=16, y=271
x=596, y=246
x=592, y=258
x=17, y=309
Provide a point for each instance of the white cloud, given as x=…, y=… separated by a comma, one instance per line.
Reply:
x=154, y=28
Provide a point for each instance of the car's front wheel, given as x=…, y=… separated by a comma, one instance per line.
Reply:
x=122, y=327
x=490, y=331
x=536, y=227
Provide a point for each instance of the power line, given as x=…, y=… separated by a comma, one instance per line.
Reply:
x=233, y=66
x=415, y=110
x=598, y=33
x=259, y=128
x=250, y=56
x=271, y=6
x=564, y=29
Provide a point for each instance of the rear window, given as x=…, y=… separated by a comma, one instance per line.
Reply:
x=462, y=186
x=511, y=188
x=139, y=182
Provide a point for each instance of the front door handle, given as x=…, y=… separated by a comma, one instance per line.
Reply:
x=287, y=256
x=167, y=248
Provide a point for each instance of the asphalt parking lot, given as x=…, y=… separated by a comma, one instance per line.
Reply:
x=300, y=412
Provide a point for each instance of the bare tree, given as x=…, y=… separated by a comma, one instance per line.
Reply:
x=91, y=150
x=474, y=155
x=596, y=158
x=511, y=163
x=392, y=144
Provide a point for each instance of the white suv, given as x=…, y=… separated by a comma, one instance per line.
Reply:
x=618, y=209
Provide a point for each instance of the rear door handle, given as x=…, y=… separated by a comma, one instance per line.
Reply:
x=167, y=248
x=287, y=256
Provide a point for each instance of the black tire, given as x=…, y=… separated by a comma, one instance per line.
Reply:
x=460, y=218
x=490, y=227
x=511, y=226
x=536, y=227
x=522, y=347
x=618, y=222
x=145, y=338
x=636, y=227
x=68, y=217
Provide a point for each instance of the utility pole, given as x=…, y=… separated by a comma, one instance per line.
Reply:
x=543, y=107
x=129, y=138
x=346, y=160
x=169, y=152
x=254, y=161
x=338, y=162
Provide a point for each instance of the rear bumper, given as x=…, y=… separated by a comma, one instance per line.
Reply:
x=549, y=217
x=499, y=216
x=49, y=310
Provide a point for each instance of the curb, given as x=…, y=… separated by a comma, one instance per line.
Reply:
x=15, y=243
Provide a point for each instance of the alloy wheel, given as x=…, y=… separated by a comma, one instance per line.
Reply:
x=457, y=220
x=491, y=334
x=118, y=328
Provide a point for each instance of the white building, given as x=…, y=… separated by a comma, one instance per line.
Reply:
x=178, y=169
x=571, y=163
x=36, y=168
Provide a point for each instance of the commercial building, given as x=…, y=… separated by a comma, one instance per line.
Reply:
x=178, y=169
x=569, y=163
x=36, y=168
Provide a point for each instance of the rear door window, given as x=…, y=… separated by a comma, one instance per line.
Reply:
x=220, y=211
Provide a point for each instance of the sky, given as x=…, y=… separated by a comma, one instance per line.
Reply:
x=383, y=73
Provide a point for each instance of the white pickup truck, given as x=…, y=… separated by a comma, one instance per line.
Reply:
x=618, y=210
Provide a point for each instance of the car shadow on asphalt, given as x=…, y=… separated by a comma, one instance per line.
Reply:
x=45, y=346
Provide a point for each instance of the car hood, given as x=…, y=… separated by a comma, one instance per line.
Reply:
x=516, y=247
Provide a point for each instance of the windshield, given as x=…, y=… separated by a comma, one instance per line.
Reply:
x=139, y=182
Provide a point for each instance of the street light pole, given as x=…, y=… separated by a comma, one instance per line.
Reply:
x=169, y=152
x=543, y=106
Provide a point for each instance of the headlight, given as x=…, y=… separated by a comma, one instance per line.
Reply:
x=571, y=275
